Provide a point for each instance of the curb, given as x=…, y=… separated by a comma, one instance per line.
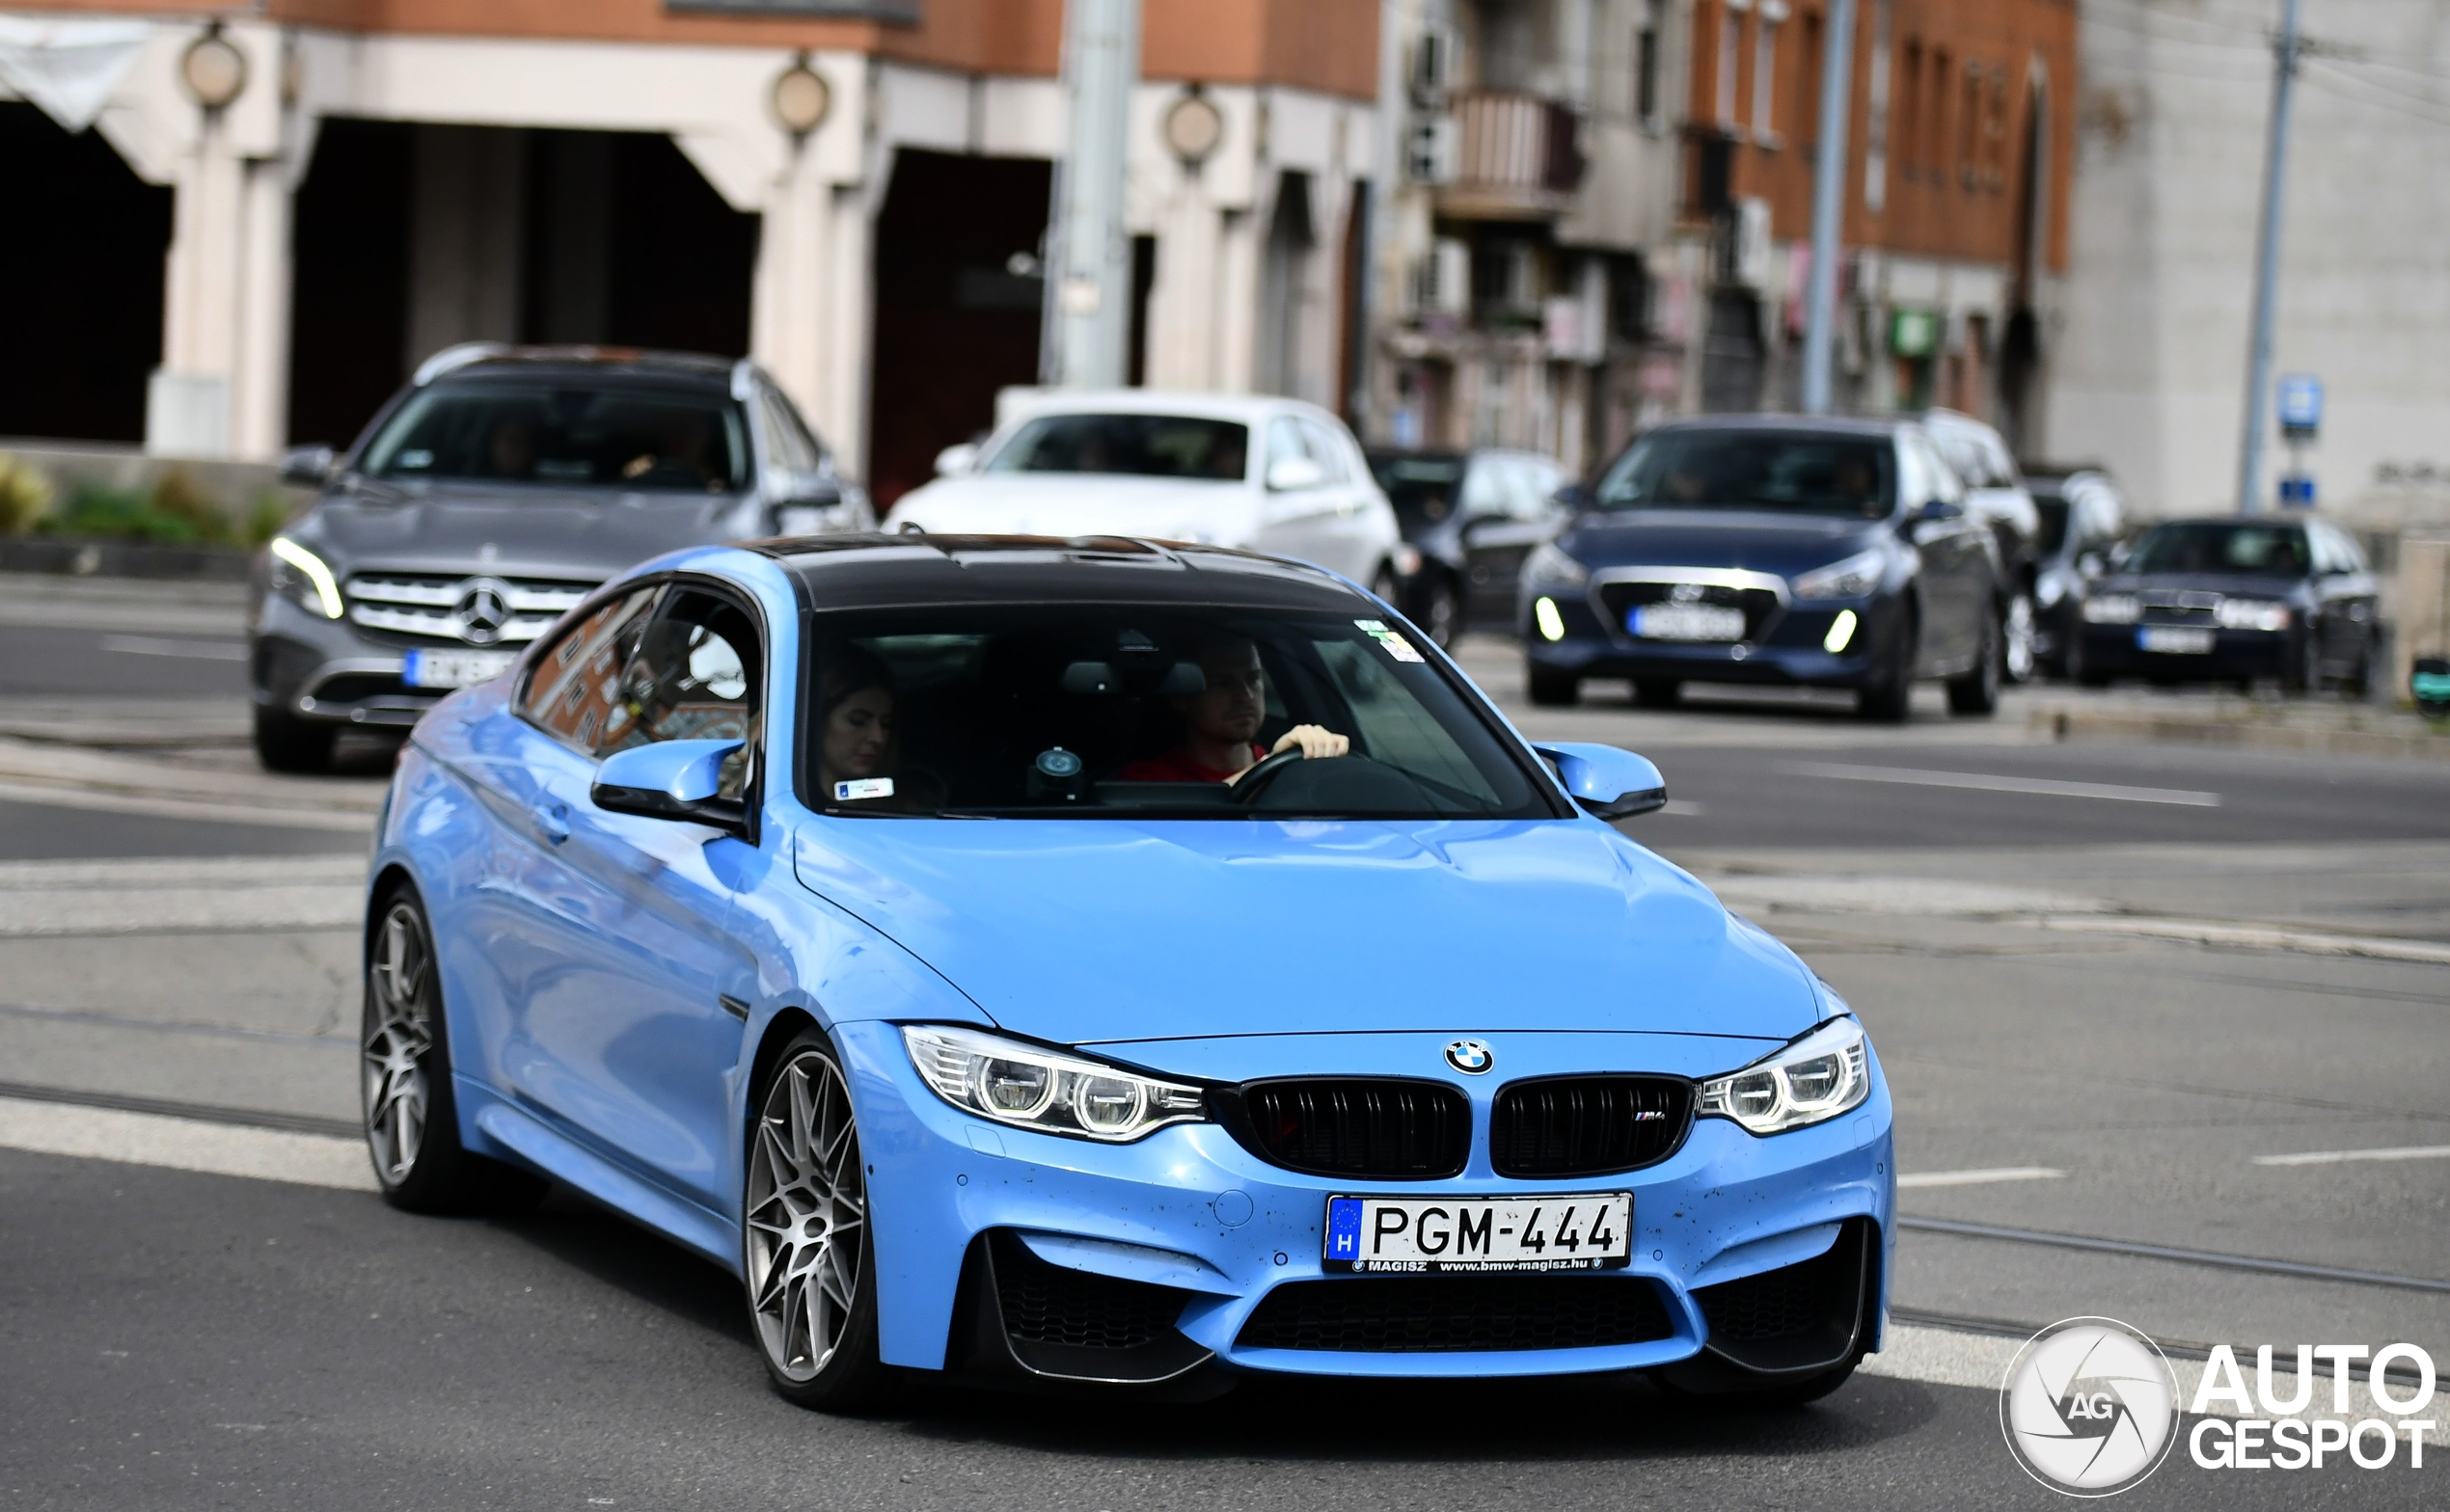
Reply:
x=2064, y=724
x=86, y=558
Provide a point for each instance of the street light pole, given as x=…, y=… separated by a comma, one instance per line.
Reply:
x=2286, y=49
x=1089, y=284
x=1829, y=202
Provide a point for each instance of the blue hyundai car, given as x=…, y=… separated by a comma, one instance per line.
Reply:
x=1112, y=966
x=1772, y=549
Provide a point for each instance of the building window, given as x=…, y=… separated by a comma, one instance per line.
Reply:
x=1645, y=64
x=1730, y=48
x=1910, y=112
x=1969, y=118
x=1808, y=83
x=1765, y=72
x=1936, y=157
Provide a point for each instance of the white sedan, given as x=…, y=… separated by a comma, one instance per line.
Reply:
x=1265, y=475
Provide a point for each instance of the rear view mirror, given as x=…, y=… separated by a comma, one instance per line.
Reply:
x=671, y=779
x=955, y=459
x=1606, y=781
x=309, y=466
x=1289, y=474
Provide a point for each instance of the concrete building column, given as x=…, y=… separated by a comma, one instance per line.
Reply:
x=812, y=311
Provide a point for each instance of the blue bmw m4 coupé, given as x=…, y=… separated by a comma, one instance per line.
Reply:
x=1107, y=965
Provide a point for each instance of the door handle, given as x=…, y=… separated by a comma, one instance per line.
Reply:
x=554, y=820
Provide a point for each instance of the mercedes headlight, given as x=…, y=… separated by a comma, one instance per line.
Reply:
x=1823, y=1075
x=2113, y=608
x=1549, y=567
x=1854, y=577
x=299, y=575
x=1031, y=1088
x=2252, y=615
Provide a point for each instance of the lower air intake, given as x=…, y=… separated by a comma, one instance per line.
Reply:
x=1435, y=1314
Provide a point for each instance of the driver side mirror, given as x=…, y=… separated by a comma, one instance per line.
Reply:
x=1573, y=499
x=1607, y=781
x=1287, y=475
x=309, y=466
x=811, y=505
x=957, y=459
x=671, y=779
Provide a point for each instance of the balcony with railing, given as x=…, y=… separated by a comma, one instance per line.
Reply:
x=1516, y=157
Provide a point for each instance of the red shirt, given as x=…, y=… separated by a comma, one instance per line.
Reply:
x=1176, y=766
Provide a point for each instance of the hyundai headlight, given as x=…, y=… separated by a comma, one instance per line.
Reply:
x=1031, y=1088
x=299, y=575
x=2113, y=608
x=1823, y=1075
x=1549, y=567
x=2252, y=615
x=1857, y=576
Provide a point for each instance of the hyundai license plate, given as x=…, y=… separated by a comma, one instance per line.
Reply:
x=1686, y=622
x=454, y=668
x=1578, y=1232
x=2174, y=641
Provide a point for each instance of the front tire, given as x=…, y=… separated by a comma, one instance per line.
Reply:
x=411, y=1120
x=1889, y=698
x=2017, y=660
x=1441, y=609
x=284, y=743
x=1977, y=691
x=1658, y=692
x=807, y=1255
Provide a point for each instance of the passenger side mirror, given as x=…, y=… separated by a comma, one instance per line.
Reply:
x=1573, y=499
x=671, y=779
x=309, y=466
x=1938, y=509
x=811, y=505
x=1287, y=475
x=1606, y=781
x=959, y=458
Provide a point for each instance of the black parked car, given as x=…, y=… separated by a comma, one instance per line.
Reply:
x=494, y=493
x=2230, y=600
x=1779, y=550
x=2084, y=519
x=1473, y=516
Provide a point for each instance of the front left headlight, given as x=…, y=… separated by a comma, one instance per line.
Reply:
x=1032, y=1087
x=300, y=576
x=1857, y=576
x=1548, y=566
x=1816, y=1079
x=2252, y=615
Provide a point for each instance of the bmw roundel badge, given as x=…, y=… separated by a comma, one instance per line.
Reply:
x=1470, y=1056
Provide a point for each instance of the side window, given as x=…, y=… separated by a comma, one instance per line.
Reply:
x=697, y=675
x=576, y=684
x=1940, y=479
x=1914, y=476
x=1484, y=489
x=1285, y=441
x=1326, y=452
x=1542, y=481
x=789, y=442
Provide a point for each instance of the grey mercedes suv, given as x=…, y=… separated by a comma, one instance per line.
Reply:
x=490, y=496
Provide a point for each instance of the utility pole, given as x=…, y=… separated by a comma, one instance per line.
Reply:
x=2286, y=49
x=1829, y=202
x=1089, y=278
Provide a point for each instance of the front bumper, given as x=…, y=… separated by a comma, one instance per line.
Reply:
x=331, y=671
x=960, y=1202
x=1790, y=650
x=2111, y=650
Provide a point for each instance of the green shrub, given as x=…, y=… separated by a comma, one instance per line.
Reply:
x=264, y=520
x=177, y=513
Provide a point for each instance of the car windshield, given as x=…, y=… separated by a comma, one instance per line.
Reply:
x=2214, y=546
x=1140, y=446
x=1421, y=488
x=1755, y=469
x=1143, y=712
x=566, y=435
x=2054, y=533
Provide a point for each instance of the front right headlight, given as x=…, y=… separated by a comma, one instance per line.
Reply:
x=300, y=576
x=1549, y=567
x=1816, y=1079
x=1854, y=577
x=2113, y=608
x=1033, y=1087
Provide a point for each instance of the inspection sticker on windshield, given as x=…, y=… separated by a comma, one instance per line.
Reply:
x=1397, y=646
x=1572, y=1231
x=863, y=788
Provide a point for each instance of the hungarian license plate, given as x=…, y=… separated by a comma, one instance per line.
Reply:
x=454, y=668
x=1579, y=1231
x=1686, y=622
x=2174, y=641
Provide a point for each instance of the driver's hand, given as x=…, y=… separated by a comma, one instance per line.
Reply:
x=1314, y=742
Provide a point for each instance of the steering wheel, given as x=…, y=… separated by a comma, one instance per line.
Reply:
x=1261, y=772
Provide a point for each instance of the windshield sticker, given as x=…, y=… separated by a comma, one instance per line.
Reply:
x=859, y=788
x=1396, y=645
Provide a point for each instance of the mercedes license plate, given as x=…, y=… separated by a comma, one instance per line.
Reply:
x=1686, y=622
x=1578, y=1232
x=454, y=668
x=2176, y=640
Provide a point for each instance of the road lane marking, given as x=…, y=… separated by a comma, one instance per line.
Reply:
x=1922, y=1178
x=1916, y=776
x=191, y=1112
x=156, y=646
x=2332, y=1157
x=149, y=1139
x=2184, y=1257
x=168, y=1026
x=107, y=803
x=2260, y=936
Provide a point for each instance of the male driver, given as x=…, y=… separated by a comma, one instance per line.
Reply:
x=1220, y=721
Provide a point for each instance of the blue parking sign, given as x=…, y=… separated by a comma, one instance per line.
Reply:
x=2301, y=402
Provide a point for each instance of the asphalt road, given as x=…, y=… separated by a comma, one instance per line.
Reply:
x=2153, y=998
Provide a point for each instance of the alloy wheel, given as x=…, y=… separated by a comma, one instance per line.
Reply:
x=399, y=1031
x=807, y=1216
x=2019, y=648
